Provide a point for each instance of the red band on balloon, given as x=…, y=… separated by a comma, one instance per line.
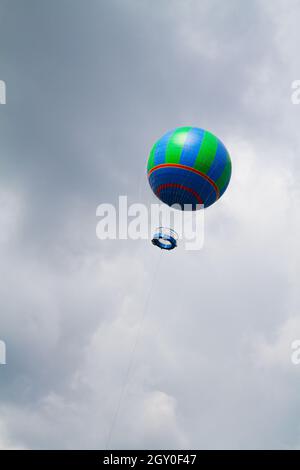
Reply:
x=180, y=186
x=188, y=168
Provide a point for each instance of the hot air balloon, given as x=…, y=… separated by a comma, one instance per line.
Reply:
x=189, y=167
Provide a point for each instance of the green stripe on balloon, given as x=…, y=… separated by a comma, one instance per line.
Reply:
x=206, y=153
x=225, y=176
x=151, y=157
x=175, y=145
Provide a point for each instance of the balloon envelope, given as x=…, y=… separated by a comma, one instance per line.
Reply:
x=189, y=165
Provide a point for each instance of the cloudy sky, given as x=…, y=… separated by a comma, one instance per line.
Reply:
x=90, y=86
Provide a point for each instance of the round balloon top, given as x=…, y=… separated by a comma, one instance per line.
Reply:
x=190, y=166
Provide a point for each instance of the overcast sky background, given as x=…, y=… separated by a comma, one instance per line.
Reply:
x=91, y=85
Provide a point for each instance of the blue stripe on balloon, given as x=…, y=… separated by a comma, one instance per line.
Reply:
x=191, y=146
x=161, y=147
x=219, y=162
x=224, y=188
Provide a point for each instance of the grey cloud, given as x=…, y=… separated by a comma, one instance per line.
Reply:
x=90, y=87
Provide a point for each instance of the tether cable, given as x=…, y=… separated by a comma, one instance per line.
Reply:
x=131, y=358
